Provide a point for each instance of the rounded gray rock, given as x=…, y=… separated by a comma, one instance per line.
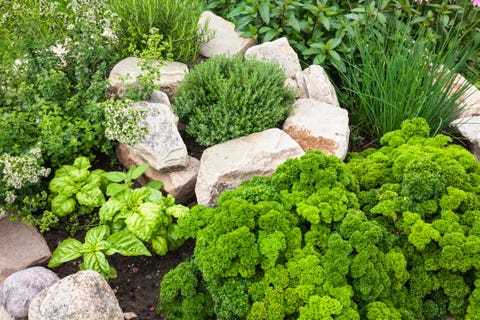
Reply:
x=81, y=296
x=21, y=287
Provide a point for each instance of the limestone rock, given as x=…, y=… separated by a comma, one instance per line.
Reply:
x=180, y=183
x=21, y=287
x=469, y=102
x=223, y=37
x=22, y=246
x=225, y=166
x=314, y=83
x=127, y=70
x=469, y=128
x=161, y=97
x=279, y=51
x=81, y=296
x=163, y=147
x=4, y=315
x=319, y=126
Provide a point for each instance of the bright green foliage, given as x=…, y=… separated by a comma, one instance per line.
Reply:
x=169, y=24
x=144, y=211
x=321, y=239
x=98, y=243
x=225, y=98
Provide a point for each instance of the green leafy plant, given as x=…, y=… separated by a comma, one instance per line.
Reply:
x=397, y=77
x=225, y=98
x=144, y=211
x=99, y=243
x=391, y=234
x=173, y=24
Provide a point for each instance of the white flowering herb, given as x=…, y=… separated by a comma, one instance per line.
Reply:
x=124, y=123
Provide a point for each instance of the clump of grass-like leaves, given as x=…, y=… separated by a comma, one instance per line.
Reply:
x=176, y=21
x=225, y=98
x=395, y=77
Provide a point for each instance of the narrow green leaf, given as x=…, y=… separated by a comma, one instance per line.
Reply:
x=293, y=22
x=333, y=43
x=115, y=188
x=69, y=249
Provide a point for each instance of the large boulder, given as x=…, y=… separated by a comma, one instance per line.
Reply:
x=225, y=166
x=278, y=51
x=163, y=147
x=22, y=246
x=320, y=126
x=469, y=128
x=21, y=287
x=469, y=101
x=313, y=83
x=125, y=73
x=81, y=296
x=180, y=182
x=223, y=39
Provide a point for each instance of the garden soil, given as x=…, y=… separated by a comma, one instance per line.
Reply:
x=137, y=286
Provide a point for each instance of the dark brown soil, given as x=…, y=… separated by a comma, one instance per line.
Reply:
x=137, y=286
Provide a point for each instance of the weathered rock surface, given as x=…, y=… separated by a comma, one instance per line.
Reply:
x=313, y=83
x=225, y=166
x=4, y=315
x=21, y=287
x=180, y=183
x=469, y=101
x=163, y=147
x=127, y=70
x=223, y=37
x=279, y=51
x=469, y=128
x=81, y=296
x=319, y=126
x=22, y=246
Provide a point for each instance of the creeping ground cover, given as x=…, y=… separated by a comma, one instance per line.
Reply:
x=393, y=233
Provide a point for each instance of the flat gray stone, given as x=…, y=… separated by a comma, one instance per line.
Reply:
x=278, y=51
x=223, y=37
x=225, y=166
x=22, y=246
x=320, y=126
x=163, y=147
x=180, y=182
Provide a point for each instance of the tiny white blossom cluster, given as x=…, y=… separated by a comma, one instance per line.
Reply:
x=124, y=123
x=19, y=170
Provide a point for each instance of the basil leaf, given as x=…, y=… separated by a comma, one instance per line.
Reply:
x=115, y=176
x=62, y=205
x=97, y=234
x=98, y=262
x=91, y=196
x=126, y=244
x=69, y=249
x=160, y=246
x=137, y=172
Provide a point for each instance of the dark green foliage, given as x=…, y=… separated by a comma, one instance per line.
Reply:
x=225, y=98
x=302, y=245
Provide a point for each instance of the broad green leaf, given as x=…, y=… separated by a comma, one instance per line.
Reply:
x=90, y=195
x=82, y=163
x=126, y=244
x=135, y=172
x=160, y=246
x=115, y=188
x=293, y=22
x=98, y=262
x=109, y=209
x=145, y=220
x=178, y=211
x=264, y=10
x=79, y=175
x=63, y=185
x=333, y=43
x=324, y=21
x=69, y=249
x=97, y=234
x=94, y=179
x=62, y=205
x=116, y=176
x=155, y=196
x=157, y=185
